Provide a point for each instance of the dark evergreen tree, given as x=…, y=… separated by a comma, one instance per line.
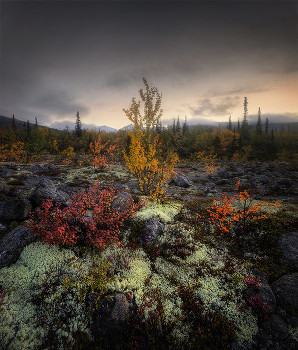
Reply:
x=229, y=126
x=267, y=126
x=13, y=123
x=28, y=129
x=36, y=124
x=238, y=125
x=185, y=128
x=78, y=126
x=259, y=123
x=244, y=131
x=174, y=125
x=178, y=126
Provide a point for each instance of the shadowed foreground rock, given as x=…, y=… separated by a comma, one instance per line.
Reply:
x=46, y=189
x=15, y=210
x=13, y=243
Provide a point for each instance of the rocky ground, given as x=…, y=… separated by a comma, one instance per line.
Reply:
x=270, y=253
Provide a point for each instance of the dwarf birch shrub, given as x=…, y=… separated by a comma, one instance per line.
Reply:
x=145, y=157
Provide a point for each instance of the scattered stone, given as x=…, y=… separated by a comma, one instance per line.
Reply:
x=285, y=291
x=288, y=245
x=15, y=209
x=180, y=180
x=222, y=173
x=264, y=179
x=4, y=188
x=153, y=228
x=276, y=327
x=37, y=168
x=5, y=172
x=110, y=313
x=122, y=202
x=13, y=243
x=46, y=189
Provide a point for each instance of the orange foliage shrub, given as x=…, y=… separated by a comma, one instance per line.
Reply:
x=15, y=153
x=100, y=154
x=68, y=155
x=236, y=211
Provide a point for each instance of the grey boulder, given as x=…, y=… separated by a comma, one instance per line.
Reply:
x=288, y=245
x=13, y=243
x=15, y=209
x=180, y=180
x=45, y=190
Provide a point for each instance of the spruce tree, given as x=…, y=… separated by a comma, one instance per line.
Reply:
x=185, y=128
x=244, y=133
x=174, y=125
x=78, y=126
x=229, y=126
x=267, y=126
x=178, y=126
x=13, y=123
x=259, y=123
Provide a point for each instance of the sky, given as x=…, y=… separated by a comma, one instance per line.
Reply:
x=58, y=57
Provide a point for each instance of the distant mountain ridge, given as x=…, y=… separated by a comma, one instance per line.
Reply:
x=106, y=128
x=7, y=122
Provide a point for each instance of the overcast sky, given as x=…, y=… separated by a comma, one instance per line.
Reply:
x=58, y=57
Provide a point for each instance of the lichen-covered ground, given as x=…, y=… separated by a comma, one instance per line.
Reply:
x=187, y=288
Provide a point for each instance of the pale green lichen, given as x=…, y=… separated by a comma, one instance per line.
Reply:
x=212, y=291
x=20, y=328
x=165, y=212
x=293, y=331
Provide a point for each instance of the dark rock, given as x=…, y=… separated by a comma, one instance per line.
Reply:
x=222, y=173
x=15, y=210
x=241, y=346
x=276, y=327
x=111, y=313
x=153, y=228
x=13, y=243
x=37, y=168
x=4, y=188
x=3, y=228
x=288, y=245
x=122, y=202
x=264, y=179
x=266, y=295
x=222, y=182
x=285, y=291
x=5, y=172
x=180, y=180
x=281, y=182
x=46, y=189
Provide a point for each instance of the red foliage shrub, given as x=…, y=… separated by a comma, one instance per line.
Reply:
x=89, y=216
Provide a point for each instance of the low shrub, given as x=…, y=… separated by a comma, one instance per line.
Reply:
x=89, y=217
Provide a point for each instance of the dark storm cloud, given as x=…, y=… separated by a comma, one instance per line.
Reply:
x=207, y=107
x=241, y=89
x=59, y=103
x=95, y=45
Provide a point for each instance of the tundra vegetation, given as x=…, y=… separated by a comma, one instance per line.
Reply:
x=195, y=284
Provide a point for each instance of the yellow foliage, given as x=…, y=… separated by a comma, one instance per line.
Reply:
x=209, y=161
x=151, y=171
x=15, y=153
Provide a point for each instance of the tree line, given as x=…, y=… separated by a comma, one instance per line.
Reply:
x=236, y=141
